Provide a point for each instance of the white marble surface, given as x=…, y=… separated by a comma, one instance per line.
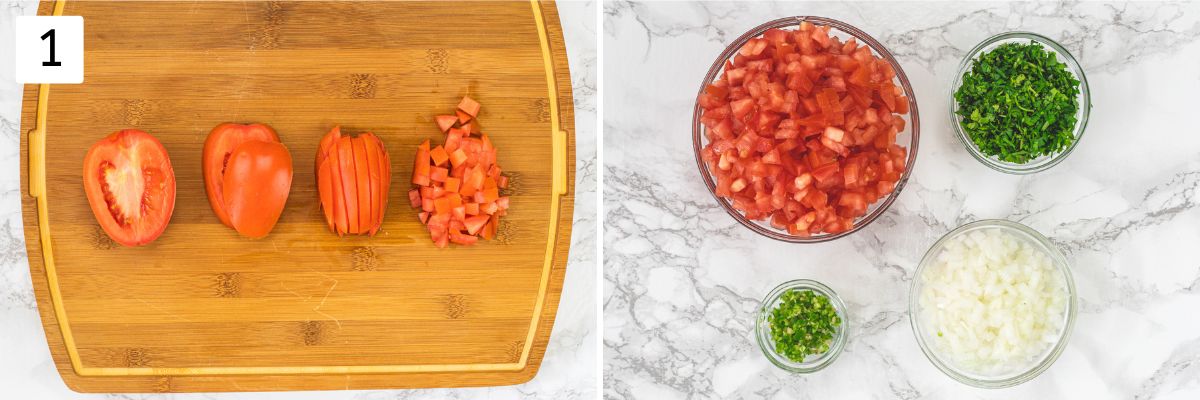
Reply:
x=568, y=371
x=682, y=278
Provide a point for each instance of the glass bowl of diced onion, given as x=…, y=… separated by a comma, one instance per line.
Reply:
x=985, y=273
x=908, y=137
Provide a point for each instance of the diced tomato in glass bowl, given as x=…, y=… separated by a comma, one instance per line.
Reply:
x=805, y=129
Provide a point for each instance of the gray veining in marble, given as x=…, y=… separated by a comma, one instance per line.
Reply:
x=567, y=372
x=682, y=278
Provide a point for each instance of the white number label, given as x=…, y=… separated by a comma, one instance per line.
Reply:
x=49, y=49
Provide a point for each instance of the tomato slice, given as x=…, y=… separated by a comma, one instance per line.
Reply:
x=218, y=147
x=340, y=222
x=374, y=180
x=385, y=162
x=325, y=190
x=130, y=186
x=349, y=182
x=362, y=173
x=255, y=186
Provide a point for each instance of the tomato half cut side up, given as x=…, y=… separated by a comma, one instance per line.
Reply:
x=256, y=184
x=218, y=147
x=130, y=186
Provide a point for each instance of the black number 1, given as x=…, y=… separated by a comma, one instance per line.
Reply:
x=51, y=63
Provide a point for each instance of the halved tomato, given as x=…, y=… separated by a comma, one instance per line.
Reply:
x=130, y=186
x=218, y=148
x=256, y=185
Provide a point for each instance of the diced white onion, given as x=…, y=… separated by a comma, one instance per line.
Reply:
x=992, y=303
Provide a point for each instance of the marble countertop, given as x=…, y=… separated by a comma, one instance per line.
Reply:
x=682, y=278
x=567, y=372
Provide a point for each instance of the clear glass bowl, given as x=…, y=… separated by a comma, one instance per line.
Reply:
x=1046, y=359
x=762, y=327
x=1081, y=115
x=909, y=137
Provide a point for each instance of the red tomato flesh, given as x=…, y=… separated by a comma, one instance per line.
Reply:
x=457, y=185
x=130, y=186
x=802, y=128
x=255, y=186
x=218, y=148
x=353, y=178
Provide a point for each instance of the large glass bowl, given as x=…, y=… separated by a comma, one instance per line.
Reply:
x=1081, y=115
x=762, y=327
x=908, y=137
x=1047, y=358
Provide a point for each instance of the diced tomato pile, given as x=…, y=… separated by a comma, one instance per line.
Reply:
x=458, y=182
x=801, y=130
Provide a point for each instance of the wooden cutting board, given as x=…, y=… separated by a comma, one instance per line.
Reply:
x=203, y=309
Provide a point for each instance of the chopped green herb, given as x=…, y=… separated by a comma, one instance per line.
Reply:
x=803, y=324
x=1018, y=102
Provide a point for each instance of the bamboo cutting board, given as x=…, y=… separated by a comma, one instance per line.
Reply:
x=203, y=309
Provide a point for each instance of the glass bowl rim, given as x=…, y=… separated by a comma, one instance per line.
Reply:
x=762, y=329
x=914, y=126
x=1085, y=106
x=1060, y=262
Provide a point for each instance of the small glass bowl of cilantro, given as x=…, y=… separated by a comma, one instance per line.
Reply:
x=801, y=326
x=1019, y=102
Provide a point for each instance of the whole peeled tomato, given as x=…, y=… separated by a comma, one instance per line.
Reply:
x=130, y=186
x=247, y=175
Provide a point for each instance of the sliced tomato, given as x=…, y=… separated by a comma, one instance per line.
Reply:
x=354, y=180
x=218, y=147
x=130, y=186
x=255, y=186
